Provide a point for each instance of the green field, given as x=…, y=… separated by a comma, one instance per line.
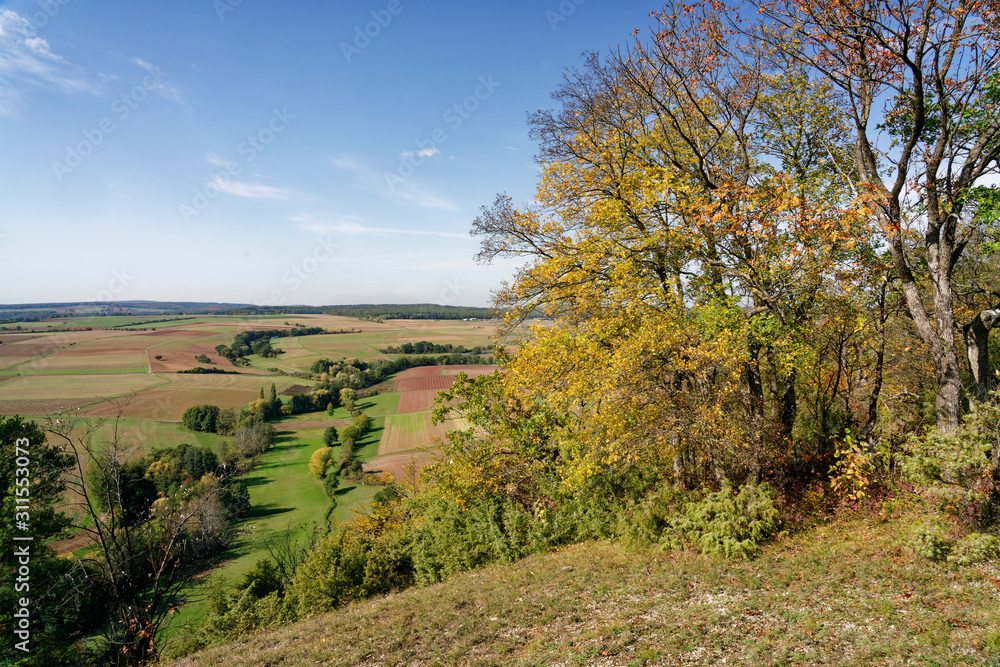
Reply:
x=285, y=498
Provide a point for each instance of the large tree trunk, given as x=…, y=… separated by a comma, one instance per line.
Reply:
x=977, y=337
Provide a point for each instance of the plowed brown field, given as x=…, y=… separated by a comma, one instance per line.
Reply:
x=424, y=383
x=419, y=372
x=416, y=401
x=471, y=371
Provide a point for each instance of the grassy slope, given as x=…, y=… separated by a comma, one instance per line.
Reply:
x=847, y=594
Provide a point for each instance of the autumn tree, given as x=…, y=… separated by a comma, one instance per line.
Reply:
x=694, y=217
x=920, y=89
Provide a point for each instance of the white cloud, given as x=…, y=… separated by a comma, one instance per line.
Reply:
x=407, y=190
x=425, y=152
x=28, y=60
x=161, y=87
x=252, y=190
x=352, y=226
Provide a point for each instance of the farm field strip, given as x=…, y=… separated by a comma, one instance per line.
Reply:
x=425, y=383
x=76, y=386
x=416, y=401
x=412, y=432
x=470, y=370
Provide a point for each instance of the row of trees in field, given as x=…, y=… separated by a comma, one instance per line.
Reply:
x=212, y=419
x=427, y=347
x=322, y=464
x=416, y=311
x=356, y=374
x=250, y=342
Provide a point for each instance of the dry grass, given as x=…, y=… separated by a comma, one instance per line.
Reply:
x=849, y=594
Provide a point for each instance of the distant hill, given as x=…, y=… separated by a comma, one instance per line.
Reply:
x=44, y=311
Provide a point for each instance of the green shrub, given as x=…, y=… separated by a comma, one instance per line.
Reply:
x=725, y=523
x=974, y=548
x=646, y=521
x=958, y=470
x=929, y=541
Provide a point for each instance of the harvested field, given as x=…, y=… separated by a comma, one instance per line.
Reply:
x=89, y=387
x=169, y=403
x=41, y=406
x=425, y=383
x=84, y=359
x=174, y=332
x=35, y=347
x=7, y=362
x=400, y=466
x=226, y=381
x=182, y=359
x=419, y=372
x=470, y=370
x=416, y=401
x=409, y=432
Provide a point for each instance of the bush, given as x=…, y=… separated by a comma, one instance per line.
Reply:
x=958, y=470
x=330, y=436
x=974, y=548
x=725, y=523
x=351, y=432
x=929, y=541
x=363, y=422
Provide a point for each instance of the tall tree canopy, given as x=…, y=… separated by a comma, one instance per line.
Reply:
x=719, y=245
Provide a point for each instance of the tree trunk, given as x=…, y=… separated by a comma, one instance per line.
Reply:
x=977, y=337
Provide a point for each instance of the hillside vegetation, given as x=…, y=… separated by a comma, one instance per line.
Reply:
x=848, y=594
x=756, y=314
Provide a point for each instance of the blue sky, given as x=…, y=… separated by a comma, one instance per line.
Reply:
x=273, y=153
